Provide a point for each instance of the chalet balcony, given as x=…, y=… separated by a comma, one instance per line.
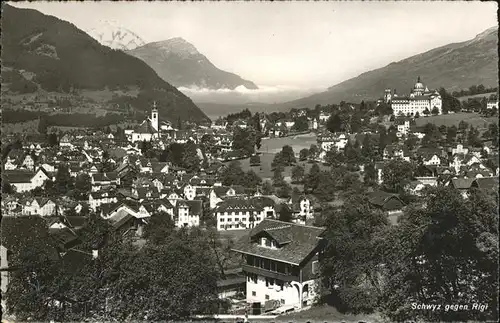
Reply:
x=269, y=273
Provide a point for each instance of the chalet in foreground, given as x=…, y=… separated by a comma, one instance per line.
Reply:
x=281, y=263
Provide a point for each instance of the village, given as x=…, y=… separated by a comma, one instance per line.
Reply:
x=267, y=208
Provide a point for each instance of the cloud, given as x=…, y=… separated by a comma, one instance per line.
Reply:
x=265, y=94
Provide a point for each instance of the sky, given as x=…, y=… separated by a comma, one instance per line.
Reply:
x=291, y=44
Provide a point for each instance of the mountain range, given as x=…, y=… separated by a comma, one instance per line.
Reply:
x=55, y=57
x=181, y=64
x=454, y=67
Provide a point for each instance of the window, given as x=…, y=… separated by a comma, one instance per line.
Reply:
x=267, y=297
x=236, y=219
x=315, y=267
x=222, y=220
x=282, y=301
x=254, y=293
x=222, y=226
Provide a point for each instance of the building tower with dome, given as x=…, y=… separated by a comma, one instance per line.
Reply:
x=418, y=101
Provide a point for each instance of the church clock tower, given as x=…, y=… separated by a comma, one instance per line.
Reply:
x=154, y=116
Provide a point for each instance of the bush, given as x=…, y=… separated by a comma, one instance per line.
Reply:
x=355, y=300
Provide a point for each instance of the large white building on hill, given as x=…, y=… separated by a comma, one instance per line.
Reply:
x=419, y=100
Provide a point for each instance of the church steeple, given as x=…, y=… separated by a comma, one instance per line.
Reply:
x=154, y=116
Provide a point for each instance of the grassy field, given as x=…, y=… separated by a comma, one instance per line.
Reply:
x=326, y=313
x=30, y=127
x=274, y=145
x=473, y=119
x=465, y=98
x=264, y=170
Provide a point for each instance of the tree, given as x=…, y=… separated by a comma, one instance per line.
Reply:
x=63, y=181
x=426, y=112
x=411, y=142
x=435, y=111
x=285, y=213
x=493, y=132
x=146, y=146
x=313, y=152
x=267, y=188
x=7, y=188
x=233, y=174
x=312, y=179
x=296, y=193
x=447, y=252
x=352, y=258
x=368, y=148
x=462, y=126
x=52, y=140
x=417, y=115
x=473, y=137
x=451, y=134
x=396, y=175
x=190, y=159
x=303, y=154
x=278, y=178
x=334, y=158
x=285, y=190
x=32, y=252
x=301, y=124
x=244, y=141
x=251, y=180
x=297, y=174
x=159, y=227
x=325, y=189
x=355, y=124
x=174, y=154
x=83, y=186
x=287, y=156
x=370, y=174
x=42, y=125
x=255, y=160
x=334, y=123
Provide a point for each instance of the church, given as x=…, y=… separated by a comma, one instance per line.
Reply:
x=419, y=100
x=150, y=129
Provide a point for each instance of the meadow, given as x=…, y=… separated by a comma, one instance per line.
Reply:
x=474, y=119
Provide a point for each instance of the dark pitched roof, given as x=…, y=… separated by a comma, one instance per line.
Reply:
x=145, y=127
x=302, y=241
x=490, y=183
x=379, y=198
x=76, y=221
x=18, y=176
x=195, y=207
x=462, y=183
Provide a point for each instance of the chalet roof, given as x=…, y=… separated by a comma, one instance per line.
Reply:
x=303, y=240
